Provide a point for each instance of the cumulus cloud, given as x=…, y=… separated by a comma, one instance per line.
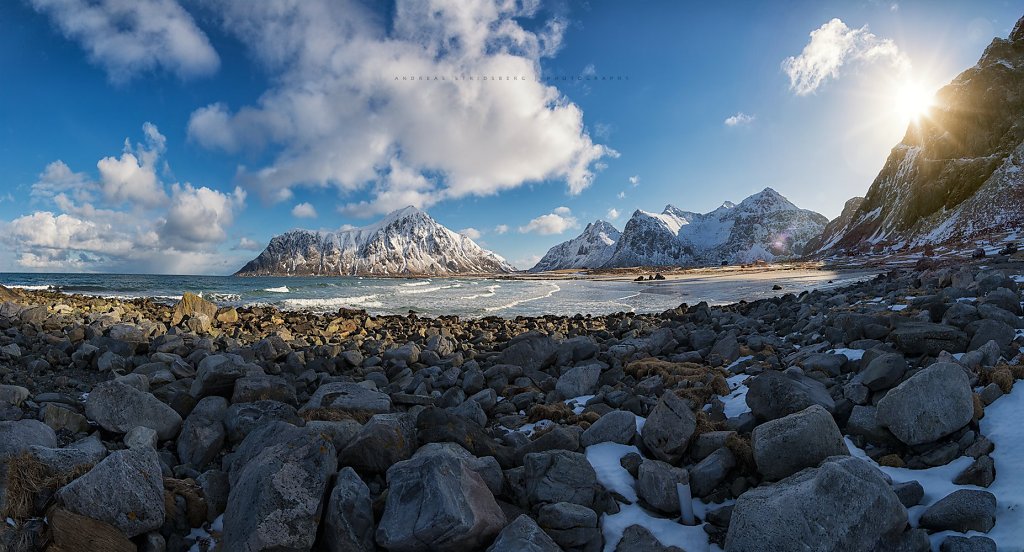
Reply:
x=129, y=37
x=739, y=119
x=634, y=180
x=613, y=213
x=343, y=112
x=556, y=222
x=621, y=195
x=471, y=233
x=834, y=45
x=247, y=244
x=147, y=226
x=501, y=229
x=304, y=210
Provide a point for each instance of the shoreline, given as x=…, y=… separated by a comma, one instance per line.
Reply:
x=537, y=424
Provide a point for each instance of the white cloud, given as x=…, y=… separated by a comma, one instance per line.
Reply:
x=526, y=262
x=833, y=45
x=621, y=195
x=246, y=244
x=471, y=233
x=180, y=233
x=894, y=8
x=501, y=229
x=555, y=222
x=589, y=70
x=613, y=213
x=634, y=180
x=341, y=119
x=304, y=210
x=129, y=37
x=739, y=119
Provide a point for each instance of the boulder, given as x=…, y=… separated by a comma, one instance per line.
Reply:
x=578, y=380
x=776, y=394
x=962, y=510
x=118, y=407
x=191, y=305
x=242, y=418
x=929, y=405
x=348, y=397
x=925, y=338
x=571, y=526
x=17, y=436
x=437, y=502
x=656, y=485
x=638, y=537
x=348, y=521
x=956, y=543
x=617, y=426
x=13, y=395
x=711, y=471
x=203, y=433
x=668, y=429
x=531, y=351
x=844, y=504
x=125, y=490
x=523, y=535
x=277, y=499
x=559, y=476
x=383, y=441
x=883, y=372
x=435, y=425
x=789, y=444
x=217, y=375
x=984, y=331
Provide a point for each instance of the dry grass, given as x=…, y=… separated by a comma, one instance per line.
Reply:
x=335, y=415
x=979, y=407
x=743, y=451
x=1002, y=377
x=696, y=383
x=27, y=477
x=891, y=461
x=188, y=489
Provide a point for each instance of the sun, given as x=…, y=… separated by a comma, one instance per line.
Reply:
x=912, y=100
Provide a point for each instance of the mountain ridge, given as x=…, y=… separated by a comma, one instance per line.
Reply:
x=406, y=242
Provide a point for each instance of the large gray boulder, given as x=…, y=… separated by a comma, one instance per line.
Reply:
x=931, y=404
x=348, y=397
x=119, y=407
x=16, y=437
x=925, y=338
x=523, y=535
x=883, y=372
x=126, y=490
x=962, y=510
x=217, y=375
x=559, y=476
x=203, y=433
x=578, y=380
x=668, y=428
x=437, y=502
x=775, y=394
x=656, y=485
x=789, y=444
x=638, y=537
x=383, y=441
x=531, y=351
x=348, y=521
x=617, y=426
x=844, y=504
x=277, y=499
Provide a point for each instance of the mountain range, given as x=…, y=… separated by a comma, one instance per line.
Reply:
x=405, y=242
x=956, y=177
x=764, y=226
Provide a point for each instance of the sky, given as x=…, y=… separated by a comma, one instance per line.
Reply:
x=179, y=136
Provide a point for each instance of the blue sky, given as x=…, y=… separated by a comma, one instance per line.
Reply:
x=244, y=122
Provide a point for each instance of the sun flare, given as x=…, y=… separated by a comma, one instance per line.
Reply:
x=912, y=101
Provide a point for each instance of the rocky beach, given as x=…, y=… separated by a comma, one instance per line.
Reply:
x=856, y=418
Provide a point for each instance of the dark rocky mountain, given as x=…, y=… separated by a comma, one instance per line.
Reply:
x=405, y=242
x=956, y=176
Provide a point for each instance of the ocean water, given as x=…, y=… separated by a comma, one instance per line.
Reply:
x=468, y=297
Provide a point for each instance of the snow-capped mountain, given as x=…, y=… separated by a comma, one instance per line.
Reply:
x=406, y=241
x=956, y=176
x=764, y=226
x=590, y=249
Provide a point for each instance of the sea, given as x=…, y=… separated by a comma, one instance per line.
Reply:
x=465, y=297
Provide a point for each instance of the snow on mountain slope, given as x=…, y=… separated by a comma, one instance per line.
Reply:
x=763, y=226
x=590, y=249
x=406, y=241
